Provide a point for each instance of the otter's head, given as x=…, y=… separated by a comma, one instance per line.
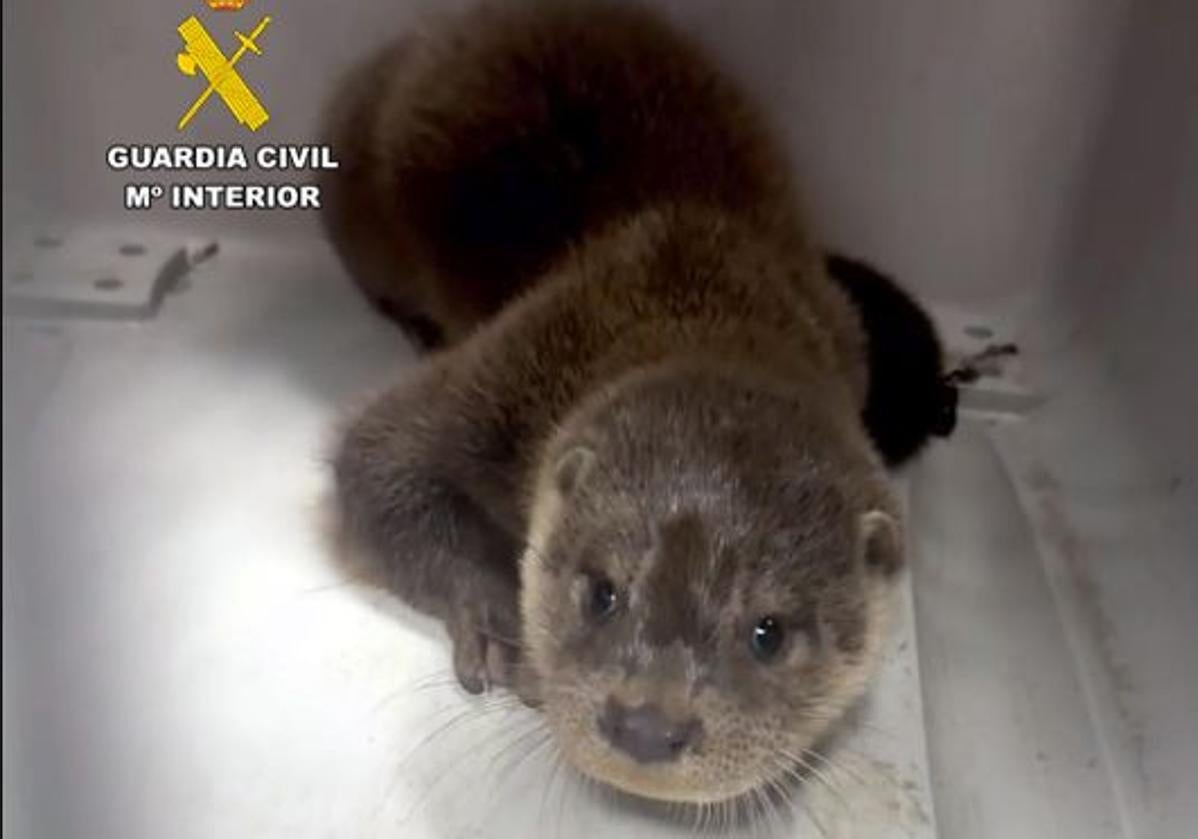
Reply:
x=705, y=585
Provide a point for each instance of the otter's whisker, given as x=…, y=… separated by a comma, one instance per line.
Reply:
x=416, y=684
x=820, y=777
x=835, y=766
x=531, y=732
x=460, y=718
x=784, y=806
x=545, y=741
x=825, y=719
x=556, y=766
x=512, y=738
x=567, y=784
x=807, y=810
x=819, y=826
x=454, y=763
x=445, y=680
x=760, y=805
x=693, y=811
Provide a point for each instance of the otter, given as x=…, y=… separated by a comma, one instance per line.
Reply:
x=633, y=475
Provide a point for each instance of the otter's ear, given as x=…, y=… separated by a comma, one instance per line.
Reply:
x=881, y=544
x=572, y=468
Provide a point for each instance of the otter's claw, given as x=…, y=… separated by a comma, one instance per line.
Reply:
x=481, y=662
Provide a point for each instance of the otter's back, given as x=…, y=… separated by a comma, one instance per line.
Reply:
x=501, y=137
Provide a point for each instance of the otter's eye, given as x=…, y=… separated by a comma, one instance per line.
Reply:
x=602, y=599
x=767, y=638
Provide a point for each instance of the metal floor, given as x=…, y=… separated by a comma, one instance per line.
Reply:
x=182, y=659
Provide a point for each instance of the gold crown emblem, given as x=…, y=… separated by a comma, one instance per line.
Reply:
x=226, y=5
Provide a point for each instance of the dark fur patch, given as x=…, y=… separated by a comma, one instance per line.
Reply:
x=680, y=557
x=909, y=402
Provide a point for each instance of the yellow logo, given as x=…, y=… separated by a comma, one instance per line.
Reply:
x=201, y=52
x=227, y=5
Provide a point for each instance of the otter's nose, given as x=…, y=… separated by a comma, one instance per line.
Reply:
x=646, y=733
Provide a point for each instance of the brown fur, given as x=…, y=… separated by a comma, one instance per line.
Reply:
x=472, y=158
x=601, y=227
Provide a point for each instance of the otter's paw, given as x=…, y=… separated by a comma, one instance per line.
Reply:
x=480, y=661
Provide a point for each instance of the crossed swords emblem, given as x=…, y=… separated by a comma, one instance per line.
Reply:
x=201, y=52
